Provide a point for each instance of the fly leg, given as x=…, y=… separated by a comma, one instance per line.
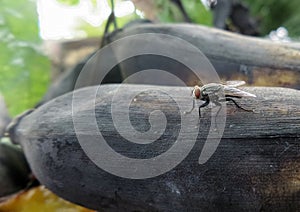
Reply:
x=220, y=107
x=218, y=104
x=206, y=99
x=236, y=104
x=203, y=105
x=187, y=112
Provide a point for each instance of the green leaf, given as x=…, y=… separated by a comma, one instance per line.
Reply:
x=197, y=12
x=24, y=73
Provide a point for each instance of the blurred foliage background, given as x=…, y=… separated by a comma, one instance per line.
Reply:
x=25, y=70
x=272, y=14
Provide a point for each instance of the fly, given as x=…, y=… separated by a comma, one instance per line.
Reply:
x=209, y=93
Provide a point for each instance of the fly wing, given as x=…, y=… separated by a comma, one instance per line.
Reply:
x=235, y=83
x=211, y=88
x=236, y=92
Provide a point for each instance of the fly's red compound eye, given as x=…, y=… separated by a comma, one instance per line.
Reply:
x=197, y=93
